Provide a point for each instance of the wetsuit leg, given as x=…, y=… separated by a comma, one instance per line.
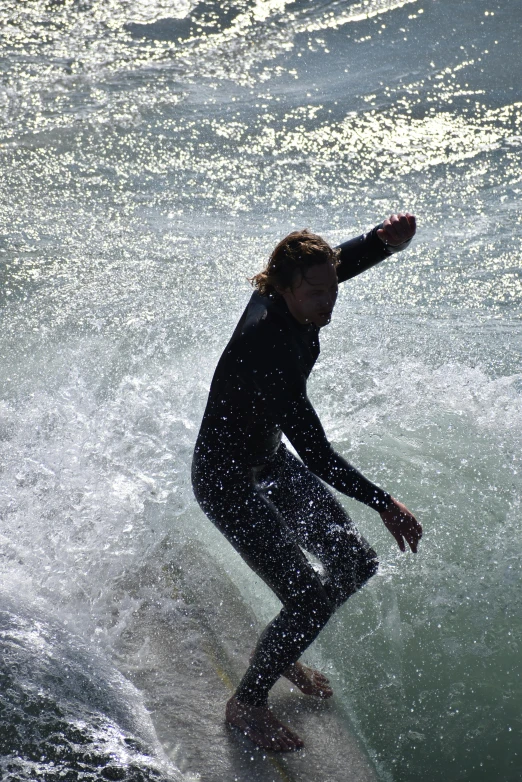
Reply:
x=258, y=532
x=321, y=526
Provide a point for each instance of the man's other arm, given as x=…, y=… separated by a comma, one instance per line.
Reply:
x=284, y=387
x=359, y=254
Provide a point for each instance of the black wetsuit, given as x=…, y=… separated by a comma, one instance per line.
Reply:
x=269, y=504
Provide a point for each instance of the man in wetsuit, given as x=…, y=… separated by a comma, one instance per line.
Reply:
x=271, y=505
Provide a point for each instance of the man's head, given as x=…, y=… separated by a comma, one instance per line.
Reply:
x=302, y=269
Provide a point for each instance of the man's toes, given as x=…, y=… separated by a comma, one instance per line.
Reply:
x=320, y=678
x=293, y=740
x=298, y=743
x=325, y=691
x=286, y=740
x=280, y=743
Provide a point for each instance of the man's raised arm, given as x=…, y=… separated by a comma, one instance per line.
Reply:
x=391, y=236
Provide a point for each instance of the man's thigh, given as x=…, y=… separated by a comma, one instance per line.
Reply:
x=321, y=526
x=257, y=531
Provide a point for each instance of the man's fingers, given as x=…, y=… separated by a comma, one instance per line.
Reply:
x=412, y=541
x=397, y=228
x=400, y=541
x=414, y=534
x=397, y=534
x=412, y=221
x=402, y=525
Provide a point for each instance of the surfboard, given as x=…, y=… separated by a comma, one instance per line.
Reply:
x=186, y=646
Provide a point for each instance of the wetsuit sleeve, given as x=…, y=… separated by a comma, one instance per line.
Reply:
x=358, y=255
x=285, y=387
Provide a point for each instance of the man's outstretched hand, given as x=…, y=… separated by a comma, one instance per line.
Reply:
x=397, y=229
x=402, y=524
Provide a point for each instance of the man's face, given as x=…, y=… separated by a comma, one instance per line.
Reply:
x=312, y=298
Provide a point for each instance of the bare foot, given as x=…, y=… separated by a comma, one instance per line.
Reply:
x=309, y=681
x=260, y=726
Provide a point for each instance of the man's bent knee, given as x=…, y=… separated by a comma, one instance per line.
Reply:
x=312, y=609
x=366, y=568
x=344, y=582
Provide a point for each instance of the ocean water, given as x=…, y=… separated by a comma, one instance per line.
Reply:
x=152, y=154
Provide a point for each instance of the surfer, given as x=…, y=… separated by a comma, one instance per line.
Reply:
x=271, y=505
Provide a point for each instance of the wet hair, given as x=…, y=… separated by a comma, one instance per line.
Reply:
x=292, y=257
